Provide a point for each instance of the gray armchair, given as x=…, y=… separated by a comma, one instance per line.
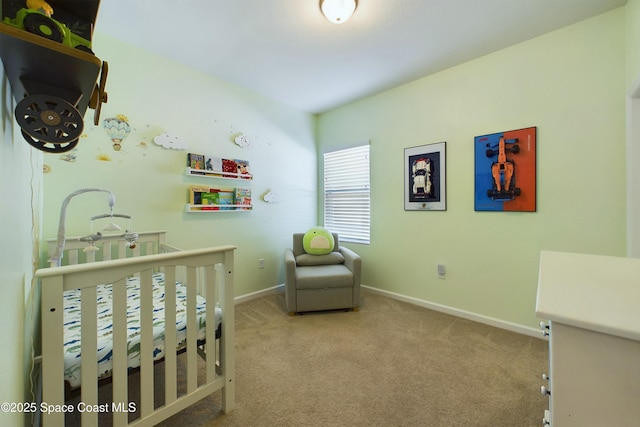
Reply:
x=321, y=282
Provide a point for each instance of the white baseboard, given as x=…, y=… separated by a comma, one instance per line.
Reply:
x=257, y=294
x=491, y=321
x=513, y=327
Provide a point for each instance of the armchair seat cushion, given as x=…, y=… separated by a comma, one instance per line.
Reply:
x=325, y=276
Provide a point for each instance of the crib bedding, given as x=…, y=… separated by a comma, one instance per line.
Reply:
x=72, y=326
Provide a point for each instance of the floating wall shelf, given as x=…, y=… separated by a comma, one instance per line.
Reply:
x=203, y=198
x=218, y=174
x=217, y=208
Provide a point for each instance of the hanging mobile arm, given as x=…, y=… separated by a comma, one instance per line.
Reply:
x=93, y=218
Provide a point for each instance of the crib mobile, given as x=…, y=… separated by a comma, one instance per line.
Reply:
x=129, y=236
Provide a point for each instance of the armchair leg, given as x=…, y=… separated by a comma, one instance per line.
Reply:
x=356, y=308
x=292, y=313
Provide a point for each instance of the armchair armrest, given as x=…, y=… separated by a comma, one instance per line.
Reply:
x=353, y=262
x=289, y=278
x=351, y=259
x=289, y=262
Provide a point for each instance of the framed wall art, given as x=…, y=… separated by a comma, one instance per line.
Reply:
x=425, y=177
x=505, y=171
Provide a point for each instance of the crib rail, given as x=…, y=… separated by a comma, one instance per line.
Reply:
x=210, y=271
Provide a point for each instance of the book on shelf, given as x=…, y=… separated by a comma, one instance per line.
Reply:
x=195, y=161
x=213, y=165
x=243, y=199
x=196, y=192
x=211, y=200
x=243, y=169
x=226, y=198
x=229, y=168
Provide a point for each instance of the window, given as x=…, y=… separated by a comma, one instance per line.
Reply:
x=347, y=201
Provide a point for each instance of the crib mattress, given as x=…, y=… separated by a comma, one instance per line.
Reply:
x=72, y=322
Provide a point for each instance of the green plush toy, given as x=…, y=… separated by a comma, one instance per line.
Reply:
x=318, y=241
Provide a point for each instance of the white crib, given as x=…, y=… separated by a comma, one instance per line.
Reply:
x=205, y=272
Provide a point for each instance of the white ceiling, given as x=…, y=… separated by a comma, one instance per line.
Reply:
x=287, y=51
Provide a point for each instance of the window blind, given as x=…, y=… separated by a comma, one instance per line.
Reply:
x=347, y=203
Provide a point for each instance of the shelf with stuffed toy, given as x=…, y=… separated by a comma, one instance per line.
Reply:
x=47, y=56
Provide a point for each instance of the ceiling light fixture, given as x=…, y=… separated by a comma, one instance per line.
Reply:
x=338, y=11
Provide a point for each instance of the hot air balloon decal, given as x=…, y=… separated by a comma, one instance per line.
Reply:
x=118, y=128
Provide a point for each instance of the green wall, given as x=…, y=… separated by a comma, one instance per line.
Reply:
x=570, y=84
x=632, y=14
x=158, y=95
x=20, y=192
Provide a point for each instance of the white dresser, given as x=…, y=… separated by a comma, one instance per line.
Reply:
x=591, y=306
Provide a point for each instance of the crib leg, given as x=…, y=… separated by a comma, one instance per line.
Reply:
x=37, y=414
x=228, y=396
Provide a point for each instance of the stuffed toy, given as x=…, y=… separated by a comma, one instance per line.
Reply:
x=41, y=6
x=318, y=241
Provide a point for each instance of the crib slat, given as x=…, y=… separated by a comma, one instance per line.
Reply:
x=171, y=376
x=135, y=251
x=146, y=343
x=192, y=331
x=122, y=250
x=89, y=361
x=52, y=348
x=119, y=377
x=227, y=359
x=210, y=275
x=106, y=250
x=149, y=248
x=72, y=254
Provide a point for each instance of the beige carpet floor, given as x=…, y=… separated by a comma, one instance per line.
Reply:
x=389, y=364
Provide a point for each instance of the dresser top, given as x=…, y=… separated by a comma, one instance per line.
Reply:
x=600, y=293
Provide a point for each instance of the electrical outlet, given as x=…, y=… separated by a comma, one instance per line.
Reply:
x=441, y=271
x=261, y=263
